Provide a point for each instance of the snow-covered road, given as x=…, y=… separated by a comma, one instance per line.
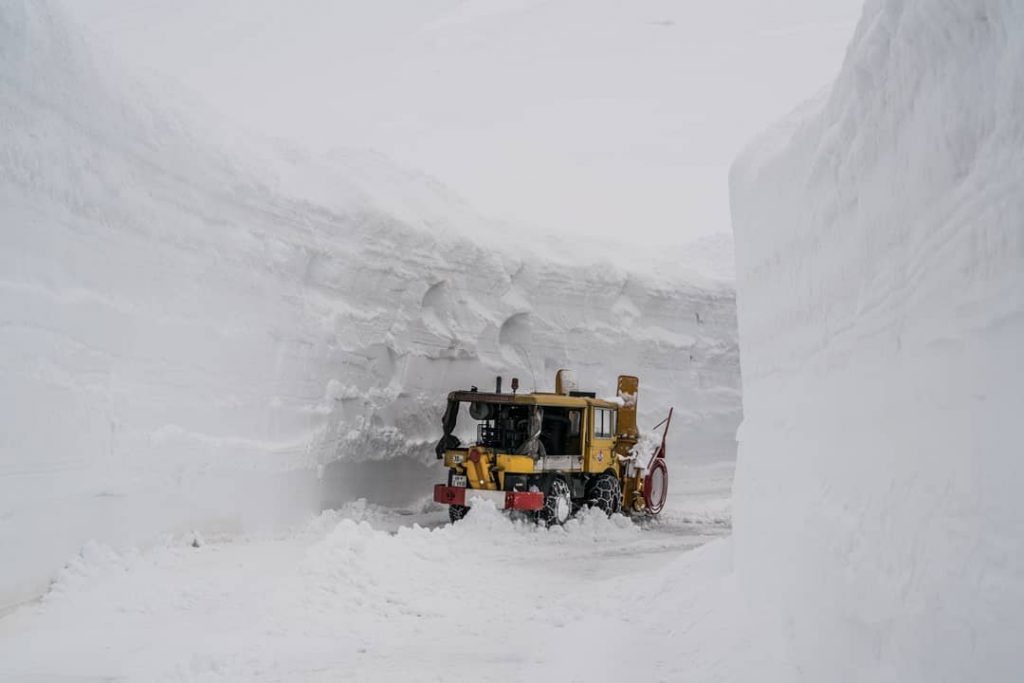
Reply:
x=367, y=593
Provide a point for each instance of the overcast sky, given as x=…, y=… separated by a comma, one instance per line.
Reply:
x=610, y=118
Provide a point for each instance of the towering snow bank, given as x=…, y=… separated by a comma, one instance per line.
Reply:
x=880, y=278
x=211, y=336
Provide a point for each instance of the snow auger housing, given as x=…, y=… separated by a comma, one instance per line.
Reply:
x=551, y=453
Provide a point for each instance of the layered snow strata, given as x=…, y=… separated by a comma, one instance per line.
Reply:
x=880, y=278
x=214, y=336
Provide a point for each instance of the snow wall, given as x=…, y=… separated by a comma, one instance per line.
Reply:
x=222, y=337
x=880, y=279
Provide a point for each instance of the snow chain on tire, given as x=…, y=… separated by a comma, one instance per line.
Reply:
x=605, y=492
x=558, y=498
x=456, y=512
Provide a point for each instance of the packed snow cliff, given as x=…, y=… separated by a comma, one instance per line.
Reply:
x=198, y=331
x=880, y=283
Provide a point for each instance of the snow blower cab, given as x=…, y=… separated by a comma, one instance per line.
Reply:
x=549, y=454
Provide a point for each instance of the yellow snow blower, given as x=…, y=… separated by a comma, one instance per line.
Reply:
x=549, y=454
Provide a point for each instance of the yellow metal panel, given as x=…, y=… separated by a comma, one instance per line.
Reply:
x=479, y=473
x=485, y=466
x=512, y=464
x=632, y=495
x=473, y=475
x=456, y=458
x=556, y=401
x=515, y=464
x=628, y=388
x=600, y=455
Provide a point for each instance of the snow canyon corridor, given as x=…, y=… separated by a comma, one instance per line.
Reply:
x=207, y=340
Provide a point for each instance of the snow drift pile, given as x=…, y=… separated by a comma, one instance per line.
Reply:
x=880, y=279
x=191, y=332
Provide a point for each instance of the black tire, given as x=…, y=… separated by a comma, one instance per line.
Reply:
x=557, y=503
x=457, y=512
x=605, y=492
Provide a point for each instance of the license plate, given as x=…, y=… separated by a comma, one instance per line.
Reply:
x=459, y=480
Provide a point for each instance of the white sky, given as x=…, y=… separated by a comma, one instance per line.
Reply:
x=617, y=118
